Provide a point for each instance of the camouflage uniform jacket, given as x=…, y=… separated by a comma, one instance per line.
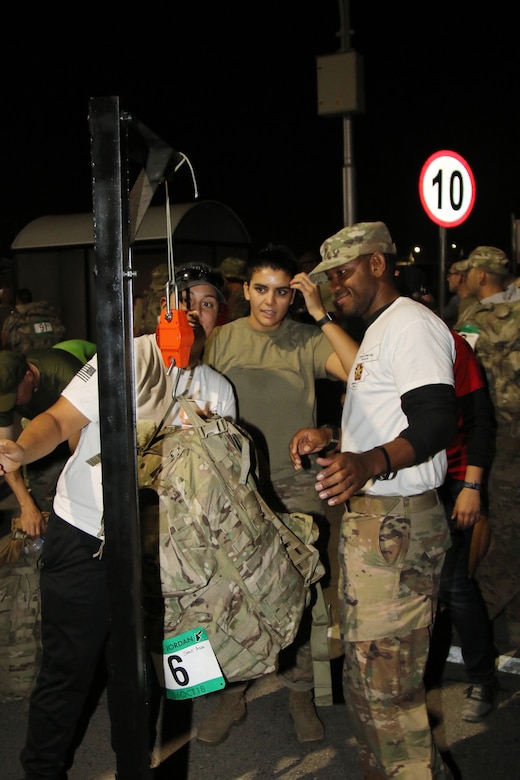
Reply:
x=493, y=330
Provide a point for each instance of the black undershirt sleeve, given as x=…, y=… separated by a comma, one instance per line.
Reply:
x=477, y=417
x=432, y=419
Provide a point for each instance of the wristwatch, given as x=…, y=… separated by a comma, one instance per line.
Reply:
x=334, y=442
x=327, y=318
x=471, y=485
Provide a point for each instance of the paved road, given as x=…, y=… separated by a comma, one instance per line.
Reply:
x=265, y=747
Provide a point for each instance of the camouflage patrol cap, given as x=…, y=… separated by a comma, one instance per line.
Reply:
x=12, y=370
x=362, y=238
x=460, y=267
x=233, y=268
x=486, y=258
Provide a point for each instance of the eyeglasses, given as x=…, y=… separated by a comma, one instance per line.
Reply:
x=454, y=273
x=195, y=273
x=189, y=272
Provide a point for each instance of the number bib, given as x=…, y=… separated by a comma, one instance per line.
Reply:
x=190, y=666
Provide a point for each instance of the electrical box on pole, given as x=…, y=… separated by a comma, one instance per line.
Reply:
x=340, y=84
x=340, y=93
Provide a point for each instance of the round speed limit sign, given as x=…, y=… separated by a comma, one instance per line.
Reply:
x=447, y=188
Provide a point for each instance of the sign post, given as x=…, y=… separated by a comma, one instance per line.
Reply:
x=447, y=191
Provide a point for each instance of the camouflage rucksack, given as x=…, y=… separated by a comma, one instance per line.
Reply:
x=32, y=326
x=493, y=330
x=20, y=618
x=215, y=555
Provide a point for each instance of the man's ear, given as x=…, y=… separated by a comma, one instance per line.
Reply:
x=162, y=303
x=246, y=291
x=377, y=264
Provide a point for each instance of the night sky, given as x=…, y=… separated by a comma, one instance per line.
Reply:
x=233, y=86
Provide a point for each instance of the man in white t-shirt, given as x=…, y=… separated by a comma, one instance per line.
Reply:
x=399, y=416
x=75, y=616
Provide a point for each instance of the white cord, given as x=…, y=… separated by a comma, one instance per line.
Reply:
x=190, y=166
x=169, y=241
x=170, y=259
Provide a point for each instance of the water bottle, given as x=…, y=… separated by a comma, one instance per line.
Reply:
x=33, y=547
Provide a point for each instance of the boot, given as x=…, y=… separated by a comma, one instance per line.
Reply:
x=230, y=711
x=307, y=726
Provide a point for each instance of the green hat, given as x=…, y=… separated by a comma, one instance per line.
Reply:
x=487, y=258
x=351, y=242
x=234, y=268
x=12, y=370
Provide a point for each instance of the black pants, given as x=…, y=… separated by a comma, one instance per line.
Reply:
x=75, y=619
x=460, y=605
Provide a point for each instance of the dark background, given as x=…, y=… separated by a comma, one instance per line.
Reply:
x=233, y=86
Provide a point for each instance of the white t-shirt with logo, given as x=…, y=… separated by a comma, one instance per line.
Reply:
x=407, y=346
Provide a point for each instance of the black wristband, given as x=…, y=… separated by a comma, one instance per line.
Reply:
x=471, y=485
x=334, y=442
x=388, y=474
x=320, y=323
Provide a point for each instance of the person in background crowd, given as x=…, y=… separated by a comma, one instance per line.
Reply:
x=80, y=348
x=413, y=282
x=234, y=271
x=488, y=276
x=460, y=295
x=460, y=600
x=31, y=325
x=492, y=327
x=29, y=385
x=400, y=414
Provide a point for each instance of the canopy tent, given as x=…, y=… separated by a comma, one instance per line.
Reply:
x=54, y=255
x=204, y=221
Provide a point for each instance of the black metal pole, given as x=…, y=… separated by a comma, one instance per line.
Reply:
x=443, y=251
x=127, y=667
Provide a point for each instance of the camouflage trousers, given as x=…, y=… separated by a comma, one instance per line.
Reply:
x=498, y=574
x=390, y=566
x=297, y=494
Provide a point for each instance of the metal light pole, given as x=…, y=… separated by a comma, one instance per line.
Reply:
x=349, y=190
x=340, y=93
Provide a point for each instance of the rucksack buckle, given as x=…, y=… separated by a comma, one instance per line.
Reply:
x=212, y=426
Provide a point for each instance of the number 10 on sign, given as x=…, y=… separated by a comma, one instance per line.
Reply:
x=447, y=188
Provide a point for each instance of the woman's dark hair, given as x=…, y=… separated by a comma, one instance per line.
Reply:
x=276, y=256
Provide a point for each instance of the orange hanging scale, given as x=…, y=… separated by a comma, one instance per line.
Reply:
x=174, y=334
x=175, y=338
